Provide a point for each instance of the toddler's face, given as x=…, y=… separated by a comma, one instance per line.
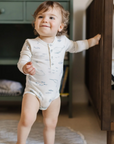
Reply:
x=49, y=23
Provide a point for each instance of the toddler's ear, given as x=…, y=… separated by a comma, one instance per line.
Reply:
x=61, y=27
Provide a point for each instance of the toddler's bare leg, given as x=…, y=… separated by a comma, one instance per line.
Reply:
x=30, y=107
x=50, y=118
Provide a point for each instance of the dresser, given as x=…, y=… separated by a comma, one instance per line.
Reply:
x=16, y=26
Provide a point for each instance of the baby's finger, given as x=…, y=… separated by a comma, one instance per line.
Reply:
x=29, y=69
x=97, y=42
x=28, y=65
x=98, y=37
x=32, y=72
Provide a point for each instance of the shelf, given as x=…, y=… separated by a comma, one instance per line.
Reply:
x=14, y=62
x=8, y=61
x=19, y=98
x=66, y=62
x=10, y=98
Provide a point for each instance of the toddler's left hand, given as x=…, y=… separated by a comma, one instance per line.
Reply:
x=94, y=41
x=97, y=38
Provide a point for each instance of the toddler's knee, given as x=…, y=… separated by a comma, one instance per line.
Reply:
x=27, y=120
x=51, y=124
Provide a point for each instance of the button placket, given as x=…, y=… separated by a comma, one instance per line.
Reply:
x=52, y=60
x=51, y=55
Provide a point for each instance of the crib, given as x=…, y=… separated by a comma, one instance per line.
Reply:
x=98, y=65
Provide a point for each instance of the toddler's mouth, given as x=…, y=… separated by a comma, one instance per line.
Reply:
x=45, y=26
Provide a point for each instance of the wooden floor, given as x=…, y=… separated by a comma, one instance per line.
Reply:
x=84, y=120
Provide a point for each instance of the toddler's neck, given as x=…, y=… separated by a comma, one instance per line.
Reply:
x=47, y=39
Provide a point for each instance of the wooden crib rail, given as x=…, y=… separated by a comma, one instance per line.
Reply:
x=99, y=58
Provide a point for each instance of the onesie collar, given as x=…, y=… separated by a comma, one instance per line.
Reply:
x=44, y=43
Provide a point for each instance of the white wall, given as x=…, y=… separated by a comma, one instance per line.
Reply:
x=79, y=23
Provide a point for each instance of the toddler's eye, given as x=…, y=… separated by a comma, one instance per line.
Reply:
x=40, y=16
x=52, y=18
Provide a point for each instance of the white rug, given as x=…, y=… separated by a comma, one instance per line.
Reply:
x=64, y=135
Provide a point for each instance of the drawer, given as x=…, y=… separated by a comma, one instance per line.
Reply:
x=32, y=6
x=10, y=11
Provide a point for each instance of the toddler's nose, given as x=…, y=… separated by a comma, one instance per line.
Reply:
x=45, y=19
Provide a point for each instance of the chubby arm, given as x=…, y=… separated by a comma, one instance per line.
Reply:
x=24, y=64
x=81, y=45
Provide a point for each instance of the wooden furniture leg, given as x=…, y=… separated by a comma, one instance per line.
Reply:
x=110, y=137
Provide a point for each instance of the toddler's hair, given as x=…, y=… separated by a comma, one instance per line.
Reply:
x=45, y=7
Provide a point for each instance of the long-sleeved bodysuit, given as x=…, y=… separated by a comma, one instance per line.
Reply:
x=47, y=59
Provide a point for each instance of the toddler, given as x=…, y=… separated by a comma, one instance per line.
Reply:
x=41, y=60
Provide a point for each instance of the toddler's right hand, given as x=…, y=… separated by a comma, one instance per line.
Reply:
x=28, y=68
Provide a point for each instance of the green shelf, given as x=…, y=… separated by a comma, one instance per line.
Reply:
x=14, y=62
x=8, y=61
x=10, y=98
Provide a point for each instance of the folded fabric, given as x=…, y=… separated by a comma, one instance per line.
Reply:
x=9, y=87
x=10, y=93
